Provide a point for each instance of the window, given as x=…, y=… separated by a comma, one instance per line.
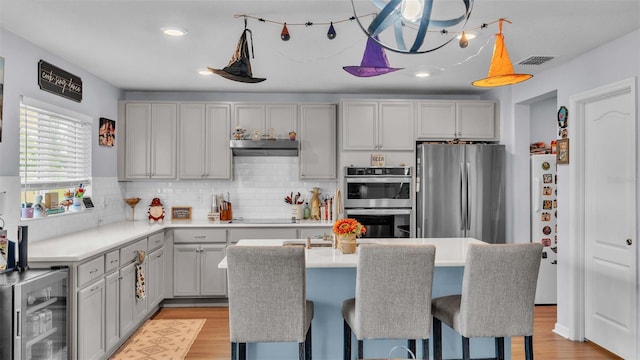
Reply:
x=55, y=148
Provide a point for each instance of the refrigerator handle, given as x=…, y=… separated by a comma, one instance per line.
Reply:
x=463, y=220
x=536, y=195
x=466, y=180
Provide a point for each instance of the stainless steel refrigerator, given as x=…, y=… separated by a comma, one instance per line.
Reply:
x=34, y=315
x=461, y=191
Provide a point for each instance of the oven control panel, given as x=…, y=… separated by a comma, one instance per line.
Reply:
x=351, y=171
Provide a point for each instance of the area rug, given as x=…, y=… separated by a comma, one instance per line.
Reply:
x=161, y=340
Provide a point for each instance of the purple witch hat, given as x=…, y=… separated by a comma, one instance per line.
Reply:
x=374, y=62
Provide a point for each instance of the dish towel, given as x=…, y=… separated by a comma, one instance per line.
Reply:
x=140, y=286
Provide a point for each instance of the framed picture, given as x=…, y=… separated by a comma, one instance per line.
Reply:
x=107, y=132
x=562, y=146
x=181, y=213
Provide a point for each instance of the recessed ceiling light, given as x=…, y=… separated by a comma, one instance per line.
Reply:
x=174, y=31
x=422, y=74
x=204, y=72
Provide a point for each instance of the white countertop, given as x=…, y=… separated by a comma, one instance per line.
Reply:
x=85, y=244
x=449, y=251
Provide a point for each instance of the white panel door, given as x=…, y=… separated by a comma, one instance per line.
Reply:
x=610, y=220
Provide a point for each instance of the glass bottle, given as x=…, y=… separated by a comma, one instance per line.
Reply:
x=307, y=210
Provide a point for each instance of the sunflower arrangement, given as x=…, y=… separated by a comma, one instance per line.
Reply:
x=349, y=226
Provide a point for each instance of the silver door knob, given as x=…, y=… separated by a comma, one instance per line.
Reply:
x=629, y=242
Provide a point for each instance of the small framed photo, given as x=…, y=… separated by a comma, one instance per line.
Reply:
x=107, y=132
x=181, y=213
x=562, y=156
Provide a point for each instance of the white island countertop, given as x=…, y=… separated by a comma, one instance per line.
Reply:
x=449, y=251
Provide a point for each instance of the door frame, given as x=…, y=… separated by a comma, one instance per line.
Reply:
x=576, y=206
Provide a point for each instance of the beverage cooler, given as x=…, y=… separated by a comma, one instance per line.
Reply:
x=34, y=315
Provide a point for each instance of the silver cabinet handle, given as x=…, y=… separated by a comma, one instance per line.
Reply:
x=92, y=271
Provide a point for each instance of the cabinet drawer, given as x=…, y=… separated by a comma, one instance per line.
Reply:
x=90, y=271
x=236, y=235
x=200, y=236
x=156, y=241
x=112, y=261
x=129, y=252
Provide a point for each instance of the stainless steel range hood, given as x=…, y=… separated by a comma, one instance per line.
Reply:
x=264, y=147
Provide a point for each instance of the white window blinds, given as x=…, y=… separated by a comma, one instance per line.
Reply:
x=55, y=147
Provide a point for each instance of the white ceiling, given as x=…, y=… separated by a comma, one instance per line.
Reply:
x=120, y=41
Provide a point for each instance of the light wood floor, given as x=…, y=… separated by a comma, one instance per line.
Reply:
x=213, y=341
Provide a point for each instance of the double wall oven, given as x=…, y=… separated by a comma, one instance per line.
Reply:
x=380, y=198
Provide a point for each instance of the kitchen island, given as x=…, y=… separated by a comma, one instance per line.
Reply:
x=331, y=278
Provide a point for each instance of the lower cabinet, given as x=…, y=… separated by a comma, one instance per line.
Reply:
x=127, y=297
x=91, y=321
x=112, y=307
x=155, y=265
x=195, y=270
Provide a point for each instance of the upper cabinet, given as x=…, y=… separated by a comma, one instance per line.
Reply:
x=150, y=141
x=317, y=141
x=204, y=141
x=464, y=119
x=377, y=125
x=282, y=118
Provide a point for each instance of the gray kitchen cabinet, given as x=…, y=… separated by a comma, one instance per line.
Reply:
x=462, y=119
x=150, y=141
x=377, y=125
x=127, y=285
x=91, y=321
x=196, y=270
x=317, y=141
x=282, y=118
x=112, y=306
x=205, y=130
x=156, y=265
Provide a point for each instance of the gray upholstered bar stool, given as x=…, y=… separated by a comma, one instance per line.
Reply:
x=393, y=296
x=267, y=298
x=497, y=300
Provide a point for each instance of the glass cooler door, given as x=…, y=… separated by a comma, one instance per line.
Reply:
x=41, y=317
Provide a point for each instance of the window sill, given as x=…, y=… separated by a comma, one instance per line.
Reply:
x=65, y=213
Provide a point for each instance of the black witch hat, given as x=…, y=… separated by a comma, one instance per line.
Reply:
x=239, y=68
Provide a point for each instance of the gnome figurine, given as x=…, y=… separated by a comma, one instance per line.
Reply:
x=156, y=211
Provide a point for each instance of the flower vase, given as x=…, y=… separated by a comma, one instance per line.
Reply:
x=347, y=243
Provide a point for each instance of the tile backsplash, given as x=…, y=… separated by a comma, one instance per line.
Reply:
x=257, y=190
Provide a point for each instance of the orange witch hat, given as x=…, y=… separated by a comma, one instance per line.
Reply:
x=501, y=70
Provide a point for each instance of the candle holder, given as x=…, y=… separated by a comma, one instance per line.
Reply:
x=132, y=202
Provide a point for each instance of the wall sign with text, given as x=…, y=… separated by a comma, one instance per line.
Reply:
x=57, y=81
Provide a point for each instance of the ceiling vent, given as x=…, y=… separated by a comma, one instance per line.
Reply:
x=536, y=60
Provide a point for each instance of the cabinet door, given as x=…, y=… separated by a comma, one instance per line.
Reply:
x=112, y=295
x=127, y=298
x=318, y=142
x=476, y=120
x=193, y=141
x=250, y=117
x=163, y=141
x=359, y=121
x=91, y=321
x=218, y=134
x=213, y=281
x=155, y=277
x=186, y=270
x=282, y=118
x=395, y=127
x=436, y=120
x=137, y=140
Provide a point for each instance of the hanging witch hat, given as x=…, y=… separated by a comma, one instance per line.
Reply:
x=501, y=71
x=239, y=68
x=374, y=62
